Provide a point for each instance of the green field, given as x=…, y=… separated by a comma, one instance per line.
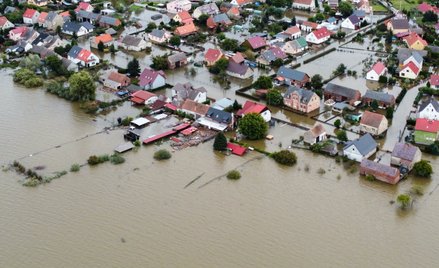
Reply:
x=404, y=4
x=378, y=7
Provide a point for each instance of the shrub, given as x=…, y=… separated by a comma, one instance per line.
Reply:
x=417, y=190
x=285, y=157
x=94, y=160
x=321, y=171
x=137, y=143
x=404, y=200
x=220, y=143
x=116, y=159
x=75, y=168
x=423, y=168
x=162, y=154
x=233, y=175
x=370, y=177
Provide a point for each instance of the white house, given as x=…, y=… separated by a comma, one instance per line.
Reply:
x=254, y=107
x=159, y=36
x=150, y=79
x=5, y=23
x=377, y=70
x=207, y=9
x=134, y=43
x=352, y=22
x=80, y=29
x=30, y=16
x=361, y=148
x=318, y=36
x=178, y=5
x=412, y=66
x=429, y=109
x=304, y=4
x=82, y=57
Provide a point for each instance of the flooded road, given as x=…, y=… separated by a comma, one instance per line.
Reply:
x=138, y=214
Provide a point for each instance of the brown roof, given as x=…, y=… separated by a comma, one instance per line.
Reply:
x=317, y=130
x=195, y=107
x=371, y=119
x=117, y=77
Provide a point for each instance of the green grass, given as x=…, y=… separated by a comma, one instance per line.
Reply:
x=378, y=7
x=404, y=4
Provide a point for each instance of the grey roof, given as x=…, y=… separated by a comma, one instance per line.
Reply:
x=305, y=95
x=87, y=25
x=365, y=144
x=110, y=31
x=354, y=19
x=51, y=16
x=359, y=13
x=157, y=33
x=433, y=102
x=41, y=38
x=71, y=26
x=379, y=96
x=405, y=151
x=291, y=74
x=405, y=53
x=87, y=15
x=219, y=115
x=237, y=68
x=131, y=40
x=108, y=20
x=181, y=56
x=340, y=90
x=74, y=51
x=400, y=23
x=187, y=91
x=269, y=55
x=9, y=9
x=66, y=62
x=221, y=18
x=208, y=9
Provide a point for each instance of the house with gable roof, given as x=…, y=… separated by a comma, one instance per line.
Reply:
x=178, y=5
x=341, y=94
x=315, y=134
x=150, y=79
x=304, y=4
x=133, y=43
x=377, y=70
x=237, y=67
x=295, y=47
x=181, y=92
x=405, y=155
x=426, y=131
x=217, y=119
x=159, y=36
x=352, y=22
x=115, y=80
x=301, y=100
x=212, y=56
x=373, y=123
x=5, y=23
x=291, y=77
x=318, y=36
x=411, y=66
x=398, y=25
x=194, y=108
x=379, y=171
x=255, y=43
x=207, y=9
x=82, y=57
x=106, y=39
x=414, y=41
x=30, y=16
x=270, y=55
x=383, y=99
x=53, y=20
x=429, y=109
x=80, y=29
x=254, y=107
x=361, y=148
x=183, y=17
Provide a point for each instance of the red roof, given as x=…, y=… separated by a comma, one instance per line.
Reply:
x=423, y=124
x=210, y=23
x=292, y=30
x=142, y=94
x=236, y=149
x=186, y=29
x=303, y=2
x=322, y=33
x=424, y=7
x=311, y=24
x=412, y=67
x=29, y=13
x=171, y=107
x=213, y=55
x=159, y=136
x=137, y=100
x=42, y=17
x=83, y=6
x=379, y=68
x=185, y=17
x=371, y=119
x=251, y=107
x=256, y=42
x=19, y=30
x=84, y=55
x=3, y=20
x=189, y=131
x=181, y=127
x=238, y=58
x=413, y=37
x=434, y=80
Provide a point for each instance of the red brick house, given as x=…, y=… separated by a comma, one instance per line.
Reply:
x=380, y=171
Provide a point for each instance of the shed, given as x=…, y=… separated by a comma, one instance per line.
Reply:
x=236, y=149
x=140, y=122
x=124, y=147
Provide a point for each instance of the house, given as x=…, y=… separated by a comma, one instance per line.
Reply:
x=373, y=123
x=207, y=9
x=115, y=80
x=361, y=148
x=143, y=97
x=17, y=33
x=53, y=20
x=82, y=57
x=271, y=55
x=78, y=29
x=30, y=16
x=398, y=25
x=107, y=21
x=296, y=46
x=254, y=107
x=106, y=40
x=377, y=70
x=159, y=36
x=410, y=63
x=414, y=41
x=85, y=16
x=234, y=13
x=178, y=5
x=426, y=131
x=292, y=32
x=177, y=60
x=212, y=56
x=133, y=43
x=39, y=3
x=304, y=4
x=219, y=20
x=429, y=109
x=181, y=92
x=383, y=99
x=291, y=77
x=307, y=26
x=193, y=108
x=409, y=70
x=186, y=30
x=405, y=155
x=5, y=23
x=255, y=43
x=84, y=6
x=380, y=171
x=333, y=4
x=222, y=104
x=217, y=119
x=434, y=81
x=365, y=6
x=352, y=22
x=240, y=3
x=301, y=100
x=150, y=79
x=183, y=17
x=239, y=70
x=9, y=10
x=315, y=135
x=318, y=36
x=341, y=93
x=42, y=18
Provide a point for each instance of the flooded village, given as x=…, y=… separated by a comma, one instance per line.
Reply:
x=209, y=134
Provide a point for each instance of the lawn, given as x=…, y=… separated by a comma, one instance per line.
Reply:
x=404, y=4
x=378, y=7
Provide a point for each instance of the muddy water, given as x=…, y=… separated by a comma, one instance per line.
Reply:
x=139, y=214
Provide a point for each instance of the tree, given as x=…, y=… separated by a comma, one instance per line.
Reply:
x=263, y=82
x=236, y=106
x=423, y=168
x=389, y=38
x=430, y=16
x=253, y=126
x=374, y=105
x=101, y=46
x=219, y=66
x=175, y=40
x=337, y=123
x=404, y=200
x=274, y=97
x=220, y=143
x=31, y=62
x=341, y=135
x=345, y=8
x=229, y=44
x=162, y=154
x=382, y=79
x=389, y=112
x=202, y=19
x=58, y=29
x=55, y=64
x=285, y=157
x=160, y=62
x=82, y=86
x=293, y=21
x=112, y=49
x=317, y=81
x=233, y=175
x=341, y=69
x=319, y=17
x=133, y=68
x=151, y=26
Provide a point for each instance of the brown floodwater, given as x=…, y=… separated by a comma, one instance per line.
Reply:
x=139, y=214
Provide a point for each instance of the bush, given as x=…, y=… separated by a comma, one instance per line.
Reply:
x=233, y=175
x=75, y=168
x=94, y=160
x=137, y=143
x=162, y=155
x=423, y=168
x=220, y=143
x=404, y=200
x=285, y=157
x=116, y=159
x=417, y=190
x=370, y=177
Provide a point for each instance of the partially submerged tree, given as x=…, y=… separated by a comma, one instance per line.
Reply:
x=82, y=86
x=423, y=169
x=274, y=97
x=253, y=126
x=404, y=200
x=133, y=68
x=285, y=157
x=220, y=143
